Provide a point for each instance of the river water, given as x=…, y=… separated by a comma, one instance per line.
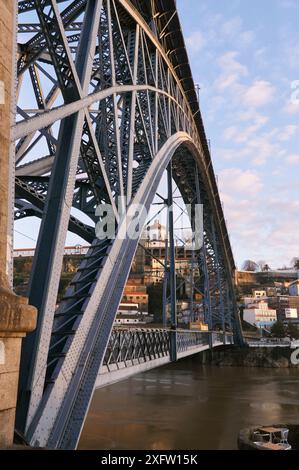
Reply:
x=185, y=406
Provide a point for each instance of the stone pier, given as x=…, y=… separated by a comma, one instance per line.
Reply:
x=16, y=317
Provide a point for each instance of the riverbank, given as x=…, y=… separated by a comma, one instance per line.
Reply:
x=251, y=357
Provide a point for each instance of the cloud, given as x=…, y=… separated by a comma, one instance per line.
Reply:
x=288, y=3
x=291, y=107
x=236, y=154
x=232, y=70
x=239, y=135
x=247, y=37
x=258, y=222
x=253, y=124
x=263, y=148
x=258, y=94
x=288, y=132
x=195, y=41
x=239, y=181
x=232, y=27
x=293, y=159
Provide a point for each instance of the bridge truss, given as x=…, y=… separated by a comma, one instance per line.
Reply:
x=113, y=105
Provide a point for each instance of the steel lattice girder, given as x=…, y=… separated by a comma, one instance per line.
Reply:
x=129, y=105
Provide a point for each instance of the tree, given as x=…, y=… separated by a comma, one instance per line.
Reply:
x=278, y=330
x=250, y=265
x=292, y=331
x=261, y=264
x=155, y=301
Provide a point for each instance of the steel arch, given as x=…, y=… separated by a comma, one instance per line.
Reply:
x=129, y=105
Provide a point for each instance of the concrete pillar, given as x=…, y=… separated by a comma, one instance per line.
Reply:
x=16, y=316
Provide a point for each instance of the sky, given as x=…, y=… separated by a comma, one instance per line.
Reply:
x=245, y=57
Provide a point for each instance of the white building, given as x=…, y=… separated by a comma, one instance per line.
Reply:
x=248, y=301
x=291, y=313
x=155, y=232
x=68, y=250
x=129, y=320
x=259, y=293
x=259, y=314
x=133, y=319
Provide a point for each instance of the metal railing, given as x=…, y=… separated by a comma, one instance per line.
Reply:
x=131, y=346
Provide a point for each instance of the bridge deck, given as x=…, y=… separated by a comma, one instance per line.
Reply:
x=115, y=371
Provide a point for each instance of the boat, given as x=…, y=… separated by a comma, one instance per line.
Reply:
x=271, y=438
x=275, y=437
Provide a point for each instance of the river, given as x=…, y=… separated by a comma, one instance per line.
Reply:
x=185, y=406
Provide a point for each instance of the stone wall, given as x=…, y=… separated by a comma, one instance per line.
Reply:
x=16, y=316
x=271, y=357
x=6, y=67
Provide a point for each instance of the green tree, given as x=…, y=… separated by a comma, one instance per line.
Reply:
x=250, y=265
x=266, y=268
x=296, y=264
x=293, y=331
x=155, y=301
x=278, y=330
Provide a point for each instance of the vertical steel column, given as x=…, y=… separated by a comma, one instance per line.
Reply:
x=193, y=222
x=229, y=307
x=207, y=296
x=218, y=276
x=191, y=316
x=47, y=266
x=172, y=273
x=166, y=273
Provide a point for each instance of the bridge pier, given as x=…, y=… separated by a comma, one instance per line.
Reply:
x=16, y=316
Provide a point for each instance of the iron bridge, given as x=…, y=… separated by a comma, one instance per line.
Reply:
x=105, y=104
x=131, y=351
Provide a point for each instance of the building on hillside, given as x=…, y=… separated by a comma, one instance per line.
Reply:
x=131, y=314
x=273, y=291
x=294, y=288
x=281, y=303
x=277, y=281
x=291, y=313
x=183, y=266
x=155, y=232
x=154, y=247
x=68, y=250
x=135, y=293
x=257, y=294
x=259, y=314
x=132, y=320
